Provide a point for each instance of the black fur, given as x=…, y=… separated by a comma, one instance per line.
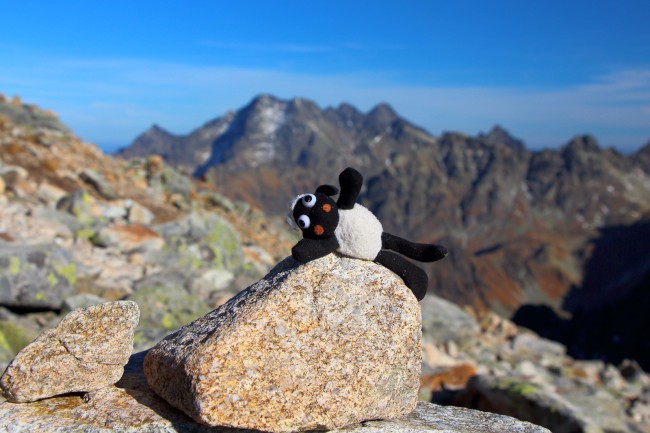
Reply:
x=317, y=243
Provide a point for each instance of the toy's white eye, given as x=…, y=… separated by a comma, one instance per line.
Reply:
x=309, y=200
x=303, y=222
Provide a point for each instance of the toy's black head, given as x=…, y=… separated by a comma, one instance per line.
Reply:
x=316, y=215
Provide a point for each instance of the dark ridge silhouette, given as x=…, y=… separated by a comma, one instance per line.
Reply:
x=609, y=312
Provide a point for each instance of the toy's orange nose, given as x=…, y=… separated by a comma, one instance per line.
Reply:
x=319, y=230
x=327, y=207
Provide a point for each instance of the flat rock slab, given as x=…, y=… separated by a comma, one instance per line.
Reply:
x=85, y=352
x=131, y=407
x=322, y=345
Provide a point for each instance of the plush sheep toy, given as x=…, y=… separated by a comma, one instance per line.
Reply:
x=352, y=230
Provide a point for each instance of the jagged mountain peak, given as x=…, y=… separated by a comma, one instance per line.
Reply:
x=345, y=115
x=499, y=134
x=642, y=157
x=381, y=115
x=644, y=150
x=263, y=100
x=583, y=143
x=156, y=129
x=346, y=108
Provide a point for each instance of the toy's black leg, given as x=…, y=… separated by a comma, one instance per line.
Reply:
x=307, y=250
x=412, y=250
x=414, y=277
x=351, y=182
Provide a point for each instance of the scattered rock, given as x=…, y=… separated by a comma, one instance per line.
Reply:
x=322, y=345
x=137, y=213
x=164, y=308
x=79, y=204
x=529, y=402
x=212, y=285
x=439, y=384
x=12, y=175
x=131, y=407
x=29, y=115
x=82, y=300
x=532, y=347
x=129, y=238
x=35, y=277
x=13, y=337
x=444, y=322
x=86, y=352
x=203, y=240
x=98, y=183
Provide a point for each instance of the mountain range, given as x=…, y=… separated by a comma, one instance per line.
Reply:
x=78, y=228
x=524, y=228
x=519, y=223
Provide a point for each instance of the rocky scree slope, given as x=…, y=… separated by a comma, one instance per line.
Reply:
x=78, y=227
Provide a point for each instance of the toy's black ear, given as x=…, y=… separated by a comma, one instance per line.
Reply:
x=328, y=190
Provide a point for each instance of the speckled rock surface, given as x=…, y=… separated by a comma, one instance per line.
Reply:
x=320, y=345
x=131, y=407
x=85, y=352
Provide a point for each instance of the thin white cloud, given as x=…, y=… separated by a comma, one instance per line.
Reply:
x=293, y=48
x=112, y=100
x=268, y=47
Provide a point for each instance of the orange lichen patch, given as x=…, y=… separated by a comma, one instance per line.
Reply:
x=449, y=378
x=6, y=237
x=319, y=230
x=13, y=148
x=138, y=231
x=50, y=165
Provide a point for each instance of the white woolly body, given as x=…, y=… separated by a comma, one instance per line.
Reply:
x=358, y=233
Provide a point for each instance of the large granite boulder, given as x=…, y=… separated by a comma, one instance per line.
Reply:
x=320, y=345
x=85, y=352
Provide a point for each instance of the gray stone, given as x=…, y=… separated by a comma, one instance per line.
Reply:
x=98, y=183
x=164, y=309
x=539, y=404
x=35, y=276
x=532, y=347
x=131, y=407
x=80, y=204
x=137, y=213
x=444, y=322
x=129, y=238
x=85, y=352
x=211, y=283
x=203, y=241
x=81, y=300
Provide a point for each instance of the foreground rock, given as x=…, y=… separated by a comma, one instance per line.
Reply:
x=131, y=407
x=511, y=371
x=322, y=345
x=86, y=352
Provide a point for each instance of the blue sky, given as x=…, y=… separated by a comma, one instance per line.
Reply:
x=545, y=70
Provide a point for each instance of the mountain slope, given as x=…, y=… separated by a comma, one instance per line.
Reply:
x=518, y=223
